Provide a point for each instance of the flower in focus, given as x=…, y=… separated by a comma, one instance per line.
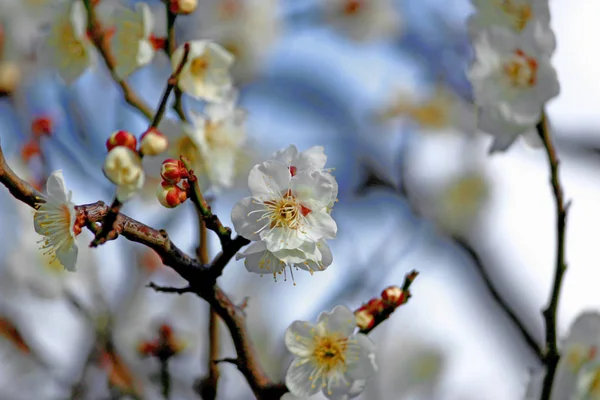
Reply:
x=153, y=142
x=364, y=20
x=132, y=43
x=513, y=14
x=218, y=134
x=55, y=221
x=68, y=48
x=123, y=167
x=205, y=75
x=512, y=80
x=329, y=356
x=578, y=373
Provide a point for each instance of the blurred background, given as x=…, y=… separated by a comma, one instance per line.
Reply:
x=386, y=94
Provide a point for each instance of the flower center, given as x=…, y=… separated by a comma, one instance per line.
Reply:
x=73, y=46
x=578, y=355
x=521, y=71
x=353, y=7
x=286, y=212
x=199, y=66
x=330, y=351
x=519, y=14
x=55, y=224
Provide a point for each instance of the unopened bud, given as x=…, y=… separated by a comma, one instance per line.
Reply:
x=152, y=142
x=10, y=77
x=123, y=166
x=121, y=138
x=375, y=306
x=147, y=348
x=393, y=295
x=173, y=171
x=169, y=195
x=364, y=319
x=41, y=126
x=183, y=6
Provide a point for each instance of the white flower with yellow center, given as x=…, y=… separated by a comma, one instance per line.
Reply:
x=205, y=74
x=123, y=167
x=285, y=211
x=218, y=134
x=55, y=221
x=68, y=48
x=364, y=20
x=513, y=14
x=329, y=356
x=578, y=372
x=512, y=80
x=131, y=43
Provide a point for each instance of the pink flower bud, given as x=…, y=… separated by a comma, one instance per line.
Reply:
x=173, y=171
x=183, y=6
x=364, y=320
x=121, y=138
x=169, y=195
x=393, y=295
x=152, y=142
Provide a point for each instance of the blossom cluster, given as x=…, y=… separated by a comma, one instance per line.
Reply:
x=288, y=216
x=512, y=76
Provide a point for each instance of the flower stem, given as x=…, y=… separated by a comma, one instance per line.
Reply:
x=552, y=356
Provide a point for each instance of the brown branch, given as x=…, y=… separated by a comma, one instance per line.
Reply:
x=552, y=357
x=197, y=275
x=100, y=40
x=167, y=289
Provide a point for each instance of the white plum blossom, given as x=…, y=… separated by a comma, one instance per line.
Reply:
x=55, y=221
x=132, y=43
x=512, y=80
x=329, y=356
x=68, y=49
x=578, y=373
x=205, y=74
x=123, y=167
x=218, y=134
x=364, y=20
x=512, y=14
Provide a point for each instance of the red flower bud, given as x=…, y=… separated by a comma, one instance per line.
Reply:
x=364, y=320
x=170, y=195
x=393, y=295
x=41, y=126
x=375, y=306
x=183, y=6
x=152, y=142
x=121, y=138
x=173, y=171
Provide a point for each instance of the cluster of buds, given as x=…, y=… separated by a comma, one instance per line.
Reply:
x=164, y=347
x=123, y=163
x=169, y=192
x=183, y=6
x=378, y=309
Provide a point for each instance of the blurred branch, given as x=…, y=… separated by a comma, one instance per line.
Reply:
x=167, y=289
x=552, y=357
x=372, y=179
x=199, y=276
x=99, y=38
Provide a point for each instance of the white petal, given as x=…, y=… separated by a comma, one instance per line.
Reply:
x=263, y=263
x=314, y=189
x=247, y=224
x=297, y=378
x=79, y=19
x=126, y=192
x=340, y=320
x=313, y=158
x=282, y=238
x=56, y=188
x=345, y=389
x=147, y=18
x=321, y=225
x=67, y=255
x=299, y=338
x=255, y=247
x=145, y=53
x=361, y=364
x=267, y=180
x=287, y=155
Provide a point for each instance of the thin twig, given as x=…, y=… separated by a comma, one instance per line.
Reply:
x=165, y=378
x=99, y=38
x=552, y=356
x=168, y=289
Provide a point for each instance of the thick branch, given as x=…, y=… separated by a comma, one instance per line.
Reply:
x=99, y=38
x=552, y=356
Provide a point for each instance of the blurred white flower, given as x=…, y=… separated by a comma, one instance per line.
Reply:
x=309, y=257
x=364, y=20
x=218, y=134
x=55, y=221
x=512, y=80
x=578, y=372
x=248, y=29
x=123, y=167
x=132, y=43
x=285, y=211
x=205, y=75
x=68, y=49
x=329, y=356
x=513, y=14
